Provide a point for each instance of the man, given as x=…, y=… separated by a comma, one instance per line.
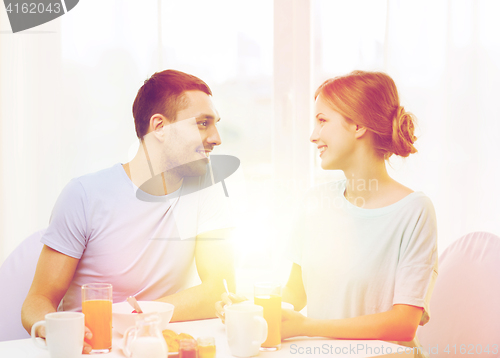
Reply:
x=141, y=225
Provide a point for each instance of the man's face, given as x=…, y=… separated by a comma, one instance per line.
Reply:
x=193, y=135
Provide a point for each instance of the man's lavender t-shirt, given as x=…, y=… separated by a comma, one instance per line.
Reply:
x=143, y=247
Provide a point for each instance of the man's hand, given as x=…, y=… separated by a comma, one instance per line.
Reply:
x=227, y=300
x=88, y=335
x=40, y=332
x=214, y=262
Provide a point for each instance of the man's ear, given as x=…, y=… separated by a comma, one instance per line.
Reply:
x=360, y=131
x=157, y=123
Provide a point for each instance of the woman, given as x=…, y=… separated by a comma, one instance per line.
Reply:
x=365, y=248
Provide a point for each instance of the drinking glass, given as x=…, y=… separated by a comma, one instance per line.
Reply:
x=206, y=347
x=97, y=300
x=268, y=295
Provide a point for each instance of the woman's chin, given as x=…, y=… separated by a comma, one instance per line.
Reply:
x=326, y=165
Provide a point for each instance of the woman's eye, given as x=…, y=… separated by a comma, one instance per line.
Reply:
x=204, y=123
x=321, y=120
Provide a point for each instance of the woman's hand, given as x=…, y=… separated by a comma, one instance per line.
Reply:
x=227, y=300
x=292, y=324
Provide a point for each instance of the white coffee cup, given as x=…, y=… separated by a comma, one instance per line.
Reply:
x=64, y=334
x=246, y=329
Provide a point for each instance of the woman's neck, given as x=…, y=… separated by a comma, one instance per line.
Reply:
x=367, y=182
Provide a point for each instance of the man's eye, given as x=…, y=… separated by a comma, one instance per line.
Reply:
x=204, y=123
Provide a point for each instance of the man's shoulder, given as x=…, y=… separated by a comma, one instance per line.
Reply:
x=102, y=181
x=100, y=176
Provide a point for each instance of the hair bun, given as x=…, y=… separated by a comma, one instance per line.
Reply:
x=403, y=127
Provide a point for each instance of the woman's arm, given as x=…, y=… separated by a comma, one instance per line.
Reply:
x=294, y=292
x=398, y=324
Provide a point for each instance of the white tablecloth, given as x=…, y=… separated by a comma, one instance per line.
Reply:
x=298, y=347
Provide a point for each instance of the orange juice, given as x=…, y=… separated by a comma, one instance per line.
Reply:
x=272, y=315
x=98, y=320
x=206, y=351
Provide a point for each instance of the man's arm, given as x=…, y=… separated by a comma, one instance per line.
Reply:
x=53, y=275
x=214, y=262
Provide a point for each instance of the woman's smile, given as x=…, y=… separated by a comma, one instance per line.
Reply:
x=322, y=149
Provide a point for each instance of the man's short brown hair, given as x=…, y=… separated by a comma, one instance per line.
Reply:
x=163, y=93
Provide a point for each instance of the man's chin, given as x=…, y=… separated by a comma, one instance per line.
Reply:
x=195, y=168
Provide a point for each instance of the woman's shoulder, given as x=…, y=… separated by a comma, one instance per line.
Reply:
x=395, y=193
x=398, y=192
x=417, y=203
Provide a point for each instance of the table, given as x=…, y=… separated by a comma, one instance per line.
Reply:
x=297, y=347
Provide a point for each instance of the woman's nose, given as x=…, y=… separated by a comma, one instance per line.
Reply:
x=314, y=135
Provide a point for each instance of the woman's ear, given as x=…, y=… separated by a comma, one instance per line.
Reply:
x=360, y=131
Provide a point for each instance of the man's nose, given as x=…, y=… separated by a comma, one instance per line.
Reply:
x=214, y=136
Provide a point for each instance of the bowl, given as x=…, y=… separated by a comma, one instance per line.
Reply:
x=123, y=317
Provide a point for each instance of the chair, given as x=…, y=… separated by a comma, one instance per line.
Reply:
x=465, y=306
x=16, y=275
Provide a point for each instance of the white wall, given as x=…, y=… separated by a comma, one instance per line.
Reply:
x=30, y=73
x=66, y=90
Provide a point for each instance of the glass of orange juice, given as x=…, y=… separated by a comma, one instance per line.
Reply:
x=268, y=295
x=206, y=347
x=97, y=300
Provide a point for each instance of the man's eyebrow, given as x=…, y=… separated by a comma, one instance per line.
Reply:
x=207, y=116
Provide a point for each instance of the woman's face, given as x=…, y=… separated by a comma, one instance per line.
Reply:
x=333, y=136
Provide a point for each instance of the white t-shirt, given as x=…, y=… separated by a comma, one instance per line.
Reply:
x=142, y=244
x=362, y=261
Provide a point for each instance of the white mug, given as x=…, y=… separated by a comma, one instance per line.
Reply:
x=246, y=329
x=64, y=334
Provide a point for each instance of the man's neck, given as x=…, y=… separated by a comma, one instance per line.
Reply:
x=145, y=175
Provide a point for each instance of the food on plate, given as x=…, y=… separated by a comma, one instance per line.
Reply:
x=173, y=339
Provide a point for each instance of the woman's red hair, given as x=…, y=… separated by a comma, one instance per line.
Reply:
x=371, y=100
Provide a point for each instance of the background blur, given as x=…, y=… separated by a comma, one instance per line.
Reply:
x=67, y=89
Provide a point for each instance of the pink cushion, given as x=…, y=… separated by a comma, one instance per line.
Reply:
x=465, y=305
x=16, y=275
